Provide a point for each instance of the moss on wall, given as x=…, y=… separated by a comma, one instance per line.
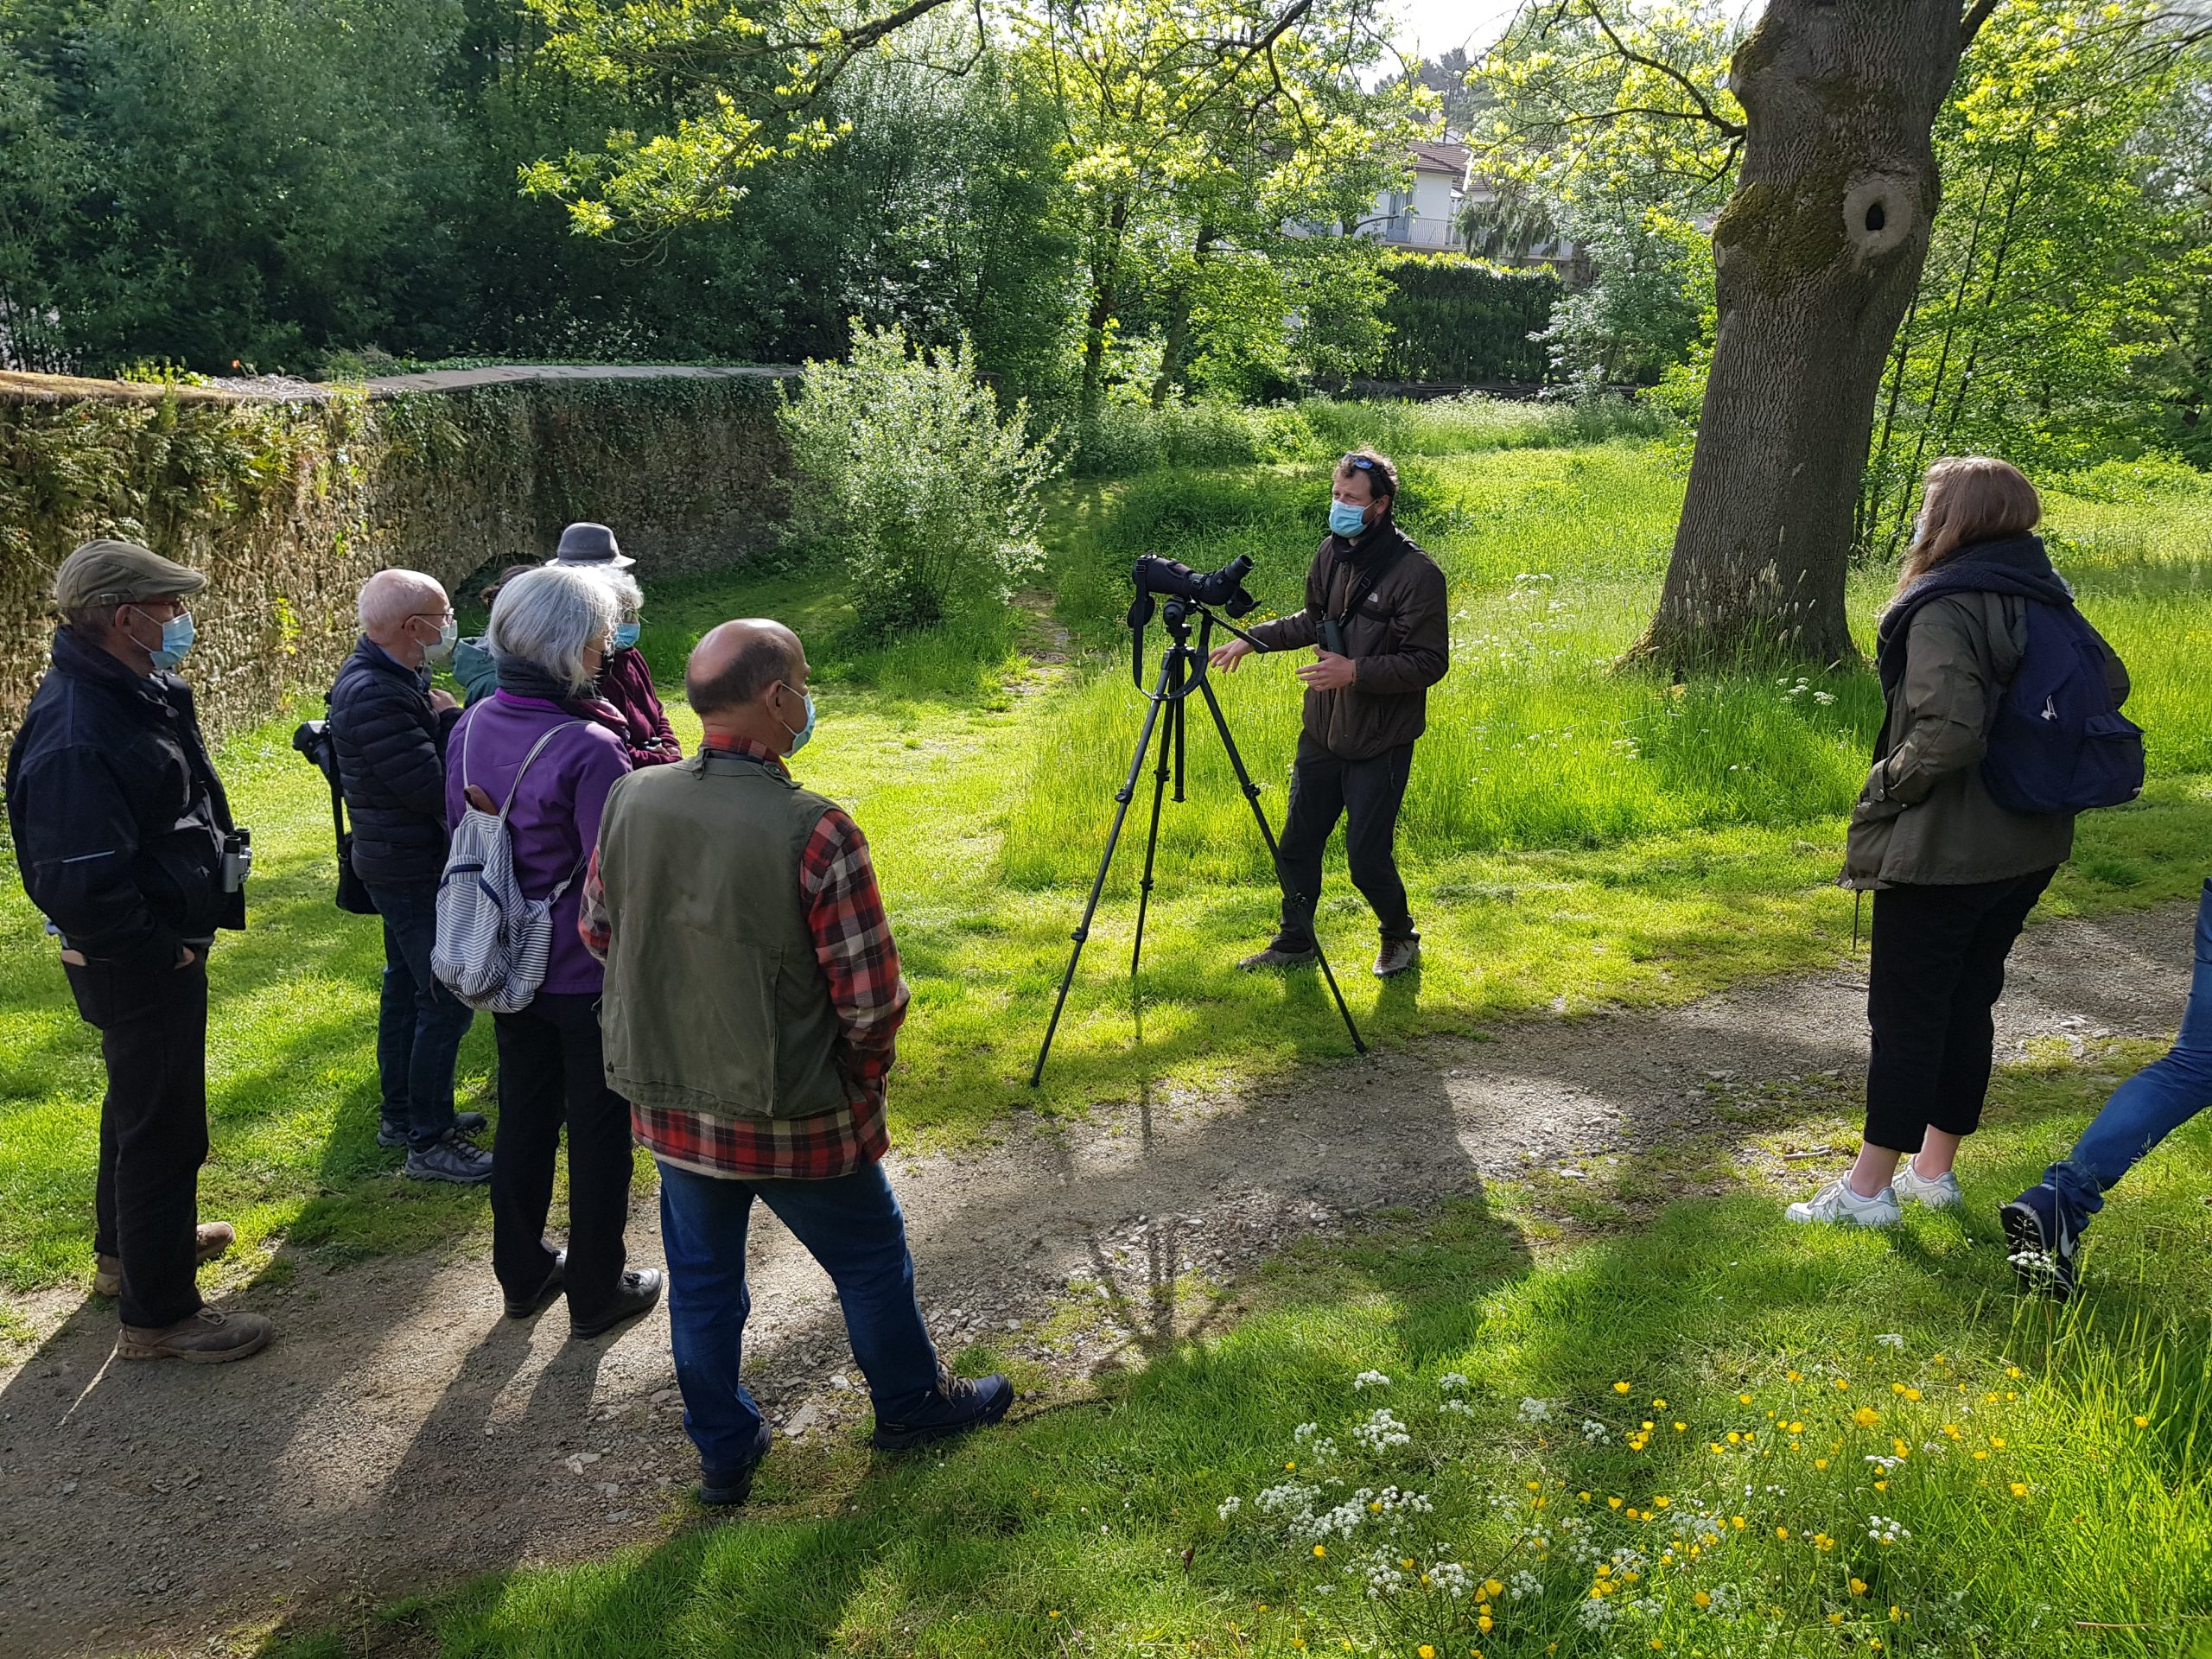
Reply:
x=289, y=500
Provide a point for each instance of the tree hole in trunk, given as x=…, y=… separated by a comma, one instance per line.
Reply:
x=1879, y=211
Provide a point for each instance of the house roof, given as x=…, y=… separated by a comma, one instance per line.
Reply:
x=1430, y=157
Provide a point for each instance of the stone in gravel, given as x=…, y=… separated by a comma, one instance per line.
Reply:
x=805, y=1418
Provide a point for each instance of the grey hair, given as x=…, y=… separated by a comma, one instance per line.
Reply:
x=627, y=595
x=551, y=616
x=389, y=597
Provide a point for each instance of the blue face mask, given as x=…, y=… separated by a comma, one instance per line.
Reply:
x=799, y=738
x=1346, y=520
x=626, y=635
x=176, y=640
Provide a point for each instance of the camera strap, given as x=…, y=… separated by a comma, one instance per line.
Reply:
x=1364, y=584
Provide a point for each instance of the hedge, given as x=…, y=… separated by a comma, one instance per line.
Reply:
x=288, y=499
x=1458, y=321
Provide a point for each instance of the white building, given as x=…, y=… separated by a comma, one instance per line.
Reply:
x=1426, y=213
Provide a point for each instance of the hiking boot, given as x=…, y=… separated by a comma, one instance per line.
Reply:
x=1939, y=1192
x=395, y=1134
x=206, y=1338
x=955, y=1406
x=1275, y=956
x=521, y=1307
x=640, y=1290
x=454, y=1157
x=2038, y=1243
x=214, y=1238
x=1837, y=1201
x=1395, y=956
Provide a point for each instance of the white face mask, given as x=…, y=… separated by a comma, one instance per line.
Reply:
x=440, y=651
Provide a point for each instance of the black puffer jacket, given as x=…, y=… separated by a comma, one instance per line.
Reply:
x=118, y=818
x=391, y=766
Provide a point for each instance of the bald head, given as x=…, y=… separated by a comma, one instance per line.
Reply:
x=391, y=602
x=747, y=678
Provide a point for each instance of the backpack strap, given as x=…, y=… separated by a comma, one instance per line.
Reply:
x=507, y=805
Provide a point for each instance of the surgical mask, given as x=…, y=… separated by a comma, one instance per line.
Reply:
x=440, y=651
x=1346, y=519
x=799, y=737
x=176, y=640
x=626, y=635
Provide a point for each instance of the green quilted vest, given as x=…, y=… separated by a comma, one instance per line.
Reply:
x=715, y=1003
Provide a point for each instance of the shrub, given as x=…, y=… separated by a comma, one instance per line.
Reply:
x=906, y=464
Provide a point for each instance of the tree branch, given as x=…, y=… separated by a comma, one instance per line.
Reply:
x=1970, y=25
x=1726, y=128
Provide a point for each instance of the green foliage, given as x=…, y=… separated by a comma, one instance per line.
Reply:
x=1457, y=320
x=906, y=466
x=2068, y=265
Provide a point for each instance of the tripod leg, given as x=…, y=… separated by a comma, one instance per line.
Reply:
x=1252, y=794
x=1122, y=799
x=1170, y=738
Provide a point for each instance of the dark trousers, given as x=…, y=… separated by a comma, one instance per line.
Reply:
x=1366, y=794
x=1936, y=970
x=851, y=1224
x=152, y=1027
x=419, y=1023
x=551, y=1073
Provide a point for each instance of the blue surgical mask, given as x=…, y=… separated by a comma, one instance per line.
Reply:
x=176, y=640
x=440, y=651
x=799, y=737
x=1346, y=519
x=626, y=635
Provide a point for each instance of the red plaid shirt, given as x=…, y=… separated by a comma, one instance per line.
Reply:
x=852, y=941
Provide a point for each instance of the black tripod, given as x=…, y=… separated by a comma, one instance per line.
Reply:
x=1182, y=671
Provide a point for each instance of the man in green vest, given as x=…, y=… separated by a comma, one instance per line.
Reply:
x=751, y=1013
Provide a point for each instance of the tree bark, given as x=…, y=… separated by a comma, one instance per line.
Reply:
x=1816, y=256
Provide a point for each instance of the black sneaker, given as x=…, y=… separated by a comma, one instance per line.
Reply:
x=453, y=1158
x=955, y=1406
x=1275, y=956
x=639, y=1290
x=521, y=1307
x=727, y=1489
x=395, y=1135
x=2038, y=1244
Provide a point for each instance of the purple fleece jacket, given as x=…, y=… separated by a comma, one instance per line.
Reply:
x=555, y=822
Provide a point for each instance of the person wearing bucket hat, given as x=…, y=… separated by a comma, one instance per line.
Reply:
x=593, y=545
x=124, y=840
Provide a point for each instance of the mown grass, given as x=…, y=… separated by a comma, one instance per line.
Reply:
x=1573, y=835
x=1676, y=1420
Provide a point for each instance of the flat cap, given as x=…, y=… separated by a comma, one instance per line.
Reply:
x=590, y=544
x=117, y=573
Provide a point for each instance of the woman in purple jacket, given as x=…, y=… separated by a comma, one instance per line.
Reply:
x=626, y=682
x=551, y=630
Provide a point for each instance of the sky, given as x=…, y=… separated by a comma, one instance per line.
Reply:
x=1438, y=25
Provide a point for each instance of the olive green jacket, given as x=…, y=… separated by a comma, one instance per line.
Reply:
x=1925, y=816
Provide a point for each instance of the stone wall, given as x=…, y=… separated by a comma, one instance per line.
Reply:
x=288, y=495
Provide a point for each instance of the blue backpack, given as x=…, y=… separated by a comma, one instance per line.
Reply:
x=2058, y=742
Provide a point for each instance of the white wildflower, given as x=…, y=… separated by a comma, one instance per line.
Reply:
x=1370, y=1380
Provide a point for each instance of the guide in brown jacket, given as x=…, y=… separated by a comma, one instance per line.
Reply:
x=1375, y=618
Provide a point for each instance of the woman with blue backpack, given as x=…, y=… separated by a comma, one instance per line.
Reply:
x=2002, y=723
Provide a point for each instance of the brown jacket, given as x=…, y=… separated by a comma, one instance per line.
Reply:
x=1400, y=642
x=1925, y=818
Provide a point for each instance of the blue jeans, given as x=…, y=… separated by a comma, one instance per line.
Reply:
x=852, y=1226
x=2149, y=1106
x=419, y=1023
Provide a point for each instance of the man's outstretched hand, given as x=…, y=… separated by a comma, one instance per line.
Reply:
x=1329, y=673
x=1225, y=658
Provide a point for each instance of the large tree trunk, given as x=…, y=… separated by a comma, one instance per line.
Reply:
x=1816, y=256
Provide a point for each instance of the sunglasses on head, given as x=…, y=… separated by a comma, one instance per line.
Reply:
x=1358, y=463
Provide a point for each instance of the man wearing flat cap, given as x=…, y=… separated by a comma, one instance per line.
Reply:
x=125, y=841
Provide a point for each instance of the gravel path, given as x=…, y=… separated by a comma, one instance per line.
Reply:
x=400, y=1435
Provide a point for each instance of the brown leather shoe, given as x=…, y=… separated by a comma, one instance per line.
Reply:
x=206, y=1338
x=216, y=1238
x=1395, y=956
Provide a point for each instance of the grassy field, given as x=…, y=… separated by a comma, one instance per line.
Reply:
x=1611, y=1425
x=1573, y=835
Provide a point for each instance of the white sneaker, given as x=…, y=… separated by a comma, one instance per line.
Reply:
x=1837, y=1201
x=1940, y=1193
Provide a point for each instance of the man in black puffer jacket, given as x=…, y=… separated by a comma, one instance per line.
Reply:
x=121, y=833
x=389, y=727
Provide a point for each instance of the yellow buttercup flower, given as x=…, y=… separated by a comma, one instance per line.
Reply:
x=1620, y=1388
x=1865, y=1417
x=1858, y=1586
x=1702, y=1599
x=1426, y=1652
x=2019, y=1489
x=1819, y=1463
x=2142, y=1422
x=1743, y=1399
x=1320, y=1549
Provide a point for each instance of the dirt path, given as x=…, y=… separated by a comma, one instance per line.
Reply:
x=400, y=1435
